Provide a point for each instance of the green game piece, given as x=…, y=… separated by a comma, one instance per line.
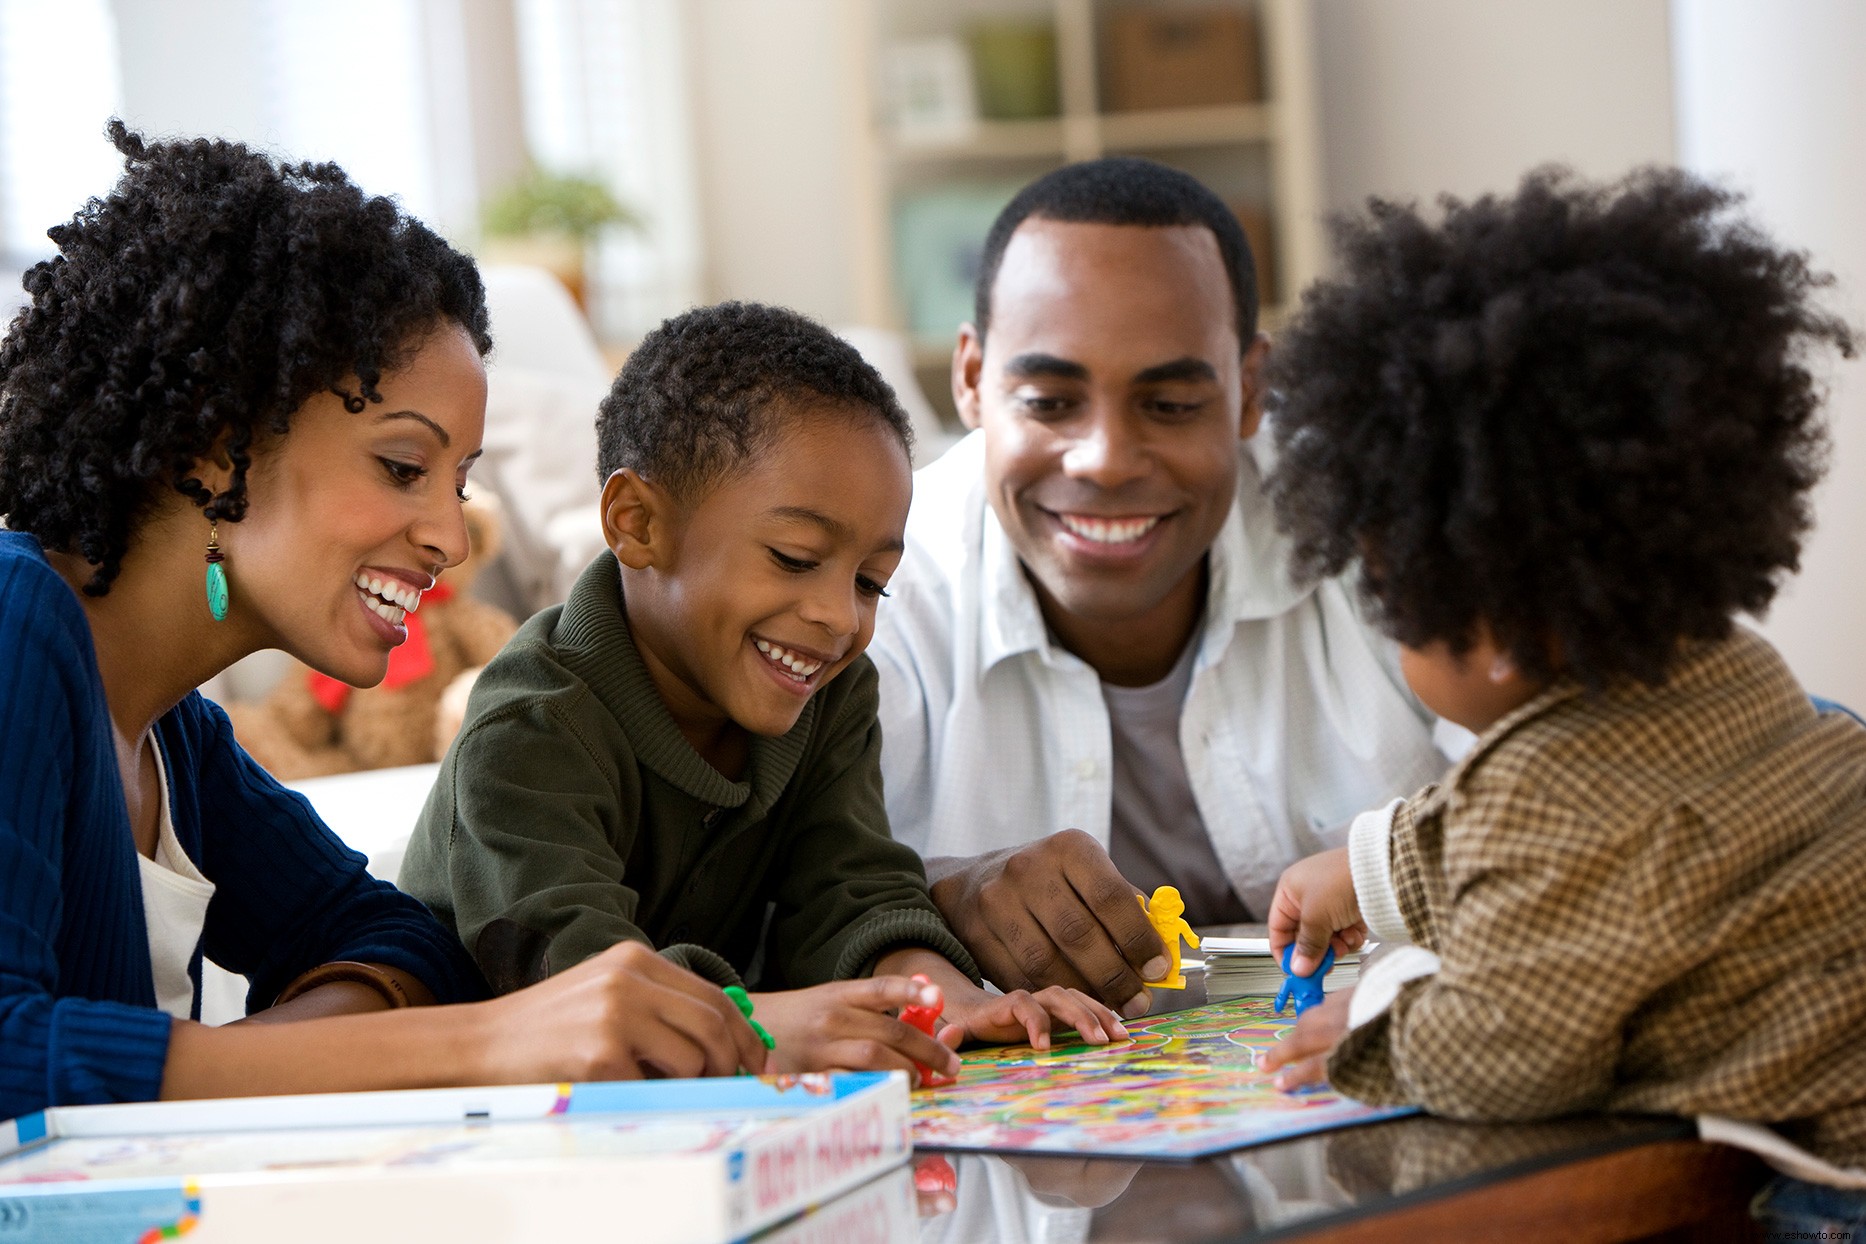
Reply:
x=743, y=1001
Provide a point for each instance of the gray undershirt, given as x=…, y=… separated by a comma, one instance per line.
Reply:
x=1156, y=835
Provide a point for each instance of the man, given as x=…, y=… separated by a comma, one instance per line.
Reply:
x=1097, y=675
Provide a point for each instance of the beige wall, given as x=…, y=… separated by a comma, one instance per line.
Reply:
x=1417, y=97
x=1423, y=97
x=771, y=105
x=1771, y=99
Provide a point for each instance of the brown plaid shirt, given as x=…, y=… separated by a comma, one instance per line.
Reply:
x=1649, y=900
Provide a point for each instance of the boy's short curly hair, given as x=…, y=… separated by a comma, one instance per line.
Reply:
x=1581, y=415
x=199, y=305
x=703, y=393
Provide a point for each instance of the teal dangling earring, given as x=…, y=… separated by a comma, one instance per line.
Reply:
x=216, y=576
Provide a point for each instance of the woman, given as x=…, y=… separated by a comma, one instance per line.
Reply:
x=238, y=413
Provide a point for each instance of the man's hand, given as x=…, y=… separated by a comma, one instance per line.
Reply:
x=1055, y=912
x=1315, y=908
x=1301, y=1058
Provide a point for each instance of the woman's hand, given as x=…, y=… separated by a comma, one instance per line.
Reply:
x=1301, y=1058
x=1315, y=907
x=625, y=1014
x=850, y=1026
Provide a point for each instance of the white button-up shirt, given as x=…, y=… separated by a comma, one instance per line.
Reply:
x=993, y=736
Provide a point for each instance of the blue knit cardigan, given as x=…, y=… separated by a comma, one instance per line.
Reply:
x=78, y=1019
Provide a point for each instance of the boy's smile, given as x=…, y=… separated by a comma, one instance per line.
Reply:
x=746, y=600
x=795, y=668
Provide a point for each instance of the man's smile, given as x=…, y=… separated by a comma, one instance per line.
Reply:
x=1109, y=530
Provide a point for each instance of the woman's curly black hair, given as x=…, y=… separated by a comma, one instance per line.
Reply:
x=1581, y=415
x=198, y=306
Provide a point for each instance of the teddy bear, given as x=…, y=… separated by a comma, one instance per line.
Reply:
x=312, y=725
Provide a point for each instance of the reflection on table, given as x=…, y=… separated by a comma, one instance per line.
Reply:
x=1324, y=1184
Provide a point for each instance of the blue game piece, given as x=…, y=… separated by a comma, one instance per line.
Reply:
x=1303, y=991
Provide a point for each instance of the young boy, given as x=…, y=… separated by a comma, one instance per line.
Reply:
x=1569, y=435
x=685, y=753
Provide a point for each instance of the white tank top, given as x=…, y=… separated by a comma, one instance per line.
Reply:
x=175, y=898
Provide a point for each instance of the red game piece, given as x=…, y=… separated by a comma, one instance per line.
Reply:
x=922, y=1017
x=932, y=1173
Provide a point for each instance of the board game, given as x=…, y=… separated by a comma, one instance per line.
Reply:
x=1184, y=1084
x=661, y=1162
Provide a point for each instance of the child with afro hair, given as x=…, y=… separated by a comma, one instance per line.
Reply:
x=1567, y=436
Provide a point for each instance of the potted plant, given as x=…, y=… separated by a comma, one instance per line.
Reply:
x=548, y=220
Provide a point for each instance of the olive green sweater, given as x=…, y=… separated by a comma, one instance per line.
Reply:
x=571, y=814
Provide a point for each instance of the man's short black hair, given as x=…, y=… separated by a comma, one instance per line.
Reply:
x=1581, y=415
x=201, y=302
x=1124, y=190
x=704, y=393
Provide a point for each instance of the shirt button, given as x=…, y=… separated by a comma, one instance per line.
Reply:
x=1085, y=768
x=679, y=934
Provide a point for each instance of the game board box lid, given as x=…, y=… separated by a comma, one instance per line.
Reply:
x=662, y=1162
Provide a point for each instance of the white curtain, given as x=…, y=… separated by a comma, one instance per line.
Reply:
x=58, y=85
x=605, y=88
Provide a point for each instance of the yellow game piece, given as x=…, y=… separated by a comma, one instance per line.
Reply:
x=1166, y=913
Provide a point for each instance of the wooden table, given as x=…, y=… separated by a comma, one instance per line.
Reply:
x=1415, y=1180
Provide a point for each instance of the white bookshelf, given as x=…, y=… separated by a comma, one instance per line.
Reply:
x=1265, y=152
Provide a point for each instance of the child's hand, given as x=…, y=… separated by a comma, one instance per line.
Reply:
x=1301, y=1058
x=847, y=1026
x=999, y=1018
x=1315, y=908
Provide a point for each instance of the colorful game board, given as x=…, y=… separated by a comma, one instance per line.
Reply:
x=1183, y=1085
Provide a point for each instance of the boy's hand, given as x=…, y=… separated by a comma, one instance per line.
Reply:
x=972, y=1014
x=1315, y=908
x=995, y=1019
x=1301, y=1058
x=847, y=1026
x=622, y=1015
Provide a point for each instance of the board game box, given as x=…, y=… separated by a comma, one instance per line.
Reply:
x=664, y=1162
x=1183, y=1085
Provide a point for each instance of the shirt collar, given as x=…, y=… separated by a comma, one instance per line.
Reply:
x=1545, y=701
x=1250, y=575
x=1747, y=674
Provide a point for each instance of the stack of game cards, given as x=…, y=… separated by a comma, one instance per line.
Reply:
x=1242, y=967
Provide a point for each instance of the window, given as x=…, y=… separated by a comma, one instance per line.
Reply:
x=52, y=112
x=605, y=92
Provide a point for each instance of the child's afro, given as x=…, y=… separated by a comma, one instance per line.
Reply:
x=703, y=394
x=1580, y=414
x=203, y=301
